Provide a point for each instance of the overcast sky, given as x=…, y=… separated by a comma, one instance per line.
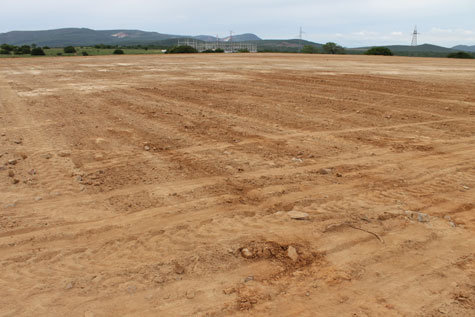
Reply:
x=347, y=22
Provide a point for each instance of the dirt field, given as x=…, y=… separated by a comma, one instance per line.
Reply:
x=167, y=186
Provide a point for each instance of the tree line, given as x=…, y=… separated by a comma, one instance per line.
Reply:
x=7, y=49
x=328, y=48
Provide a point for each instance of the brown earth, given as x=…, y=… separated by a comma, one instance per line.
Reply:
x=162, y=185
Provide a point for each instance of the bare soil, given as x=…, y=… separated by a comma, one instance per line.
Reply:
x=162, y=186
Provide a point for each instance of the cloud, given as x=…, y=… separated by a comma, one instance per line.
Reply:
x=451, y=36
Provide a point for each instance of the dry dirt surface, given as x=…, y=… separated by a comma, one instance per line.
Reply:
x=237, y=185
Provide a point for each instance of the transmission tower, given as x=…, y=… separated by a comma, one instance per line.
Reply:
x=231, y=40
x=414, y=36
x=301, y=32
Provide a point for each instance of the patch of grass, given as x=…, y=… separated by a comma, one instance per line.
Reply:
x=91, y=51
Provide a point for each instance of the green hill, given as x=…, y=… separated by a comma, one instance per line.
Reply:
x=287, y=46
x=88, y=37
x=427, y=50
x=80, y=37
x=464, y=48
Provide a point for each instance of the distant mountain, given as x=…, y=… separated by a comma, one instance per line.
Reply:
x=293, y=45
x=409, y=48
x=236, y=38
x=243, y=38
x=425, y=50
x=81, y=37
x=465, y=48
x=88, y=37
x=420, y=48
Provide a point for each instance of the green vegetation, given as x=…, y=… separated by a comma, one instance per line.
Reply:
x=184, y=49
x=69, y=50
x=37, y=51
x=23, y=50
x=93, y=51
x=118, y=52
x=281, y=46
x=7, y=48
x=424, y=50
x=333, y=48
x=309, y=49
x=460, y=55
x=102, y=46
x=243, y=50
x=379, y=50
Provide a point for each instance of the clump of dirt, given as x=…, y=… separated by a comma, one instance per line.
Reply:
x=293, y=256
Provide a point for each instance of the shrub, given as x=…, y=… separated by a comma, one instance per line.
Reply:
x=208, y=51
x=380, y=50
x=7, y=47
x=4, y=52
x=184, y=49
x=84, y=53
x=69, y=50
x=460, y=55
x=243, y=50
x=101, y=46
x=333, y=48
x=309, y=49
x=59, y=54
x=25, y=49
x=118, y=52
x=46, y=47
x=37, y=51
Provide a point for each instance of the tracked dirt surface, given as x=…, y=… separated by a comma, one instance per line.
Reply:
x=218, y=185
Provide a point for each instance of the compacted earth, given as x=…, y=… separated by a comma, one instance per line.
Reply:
x=237, y=184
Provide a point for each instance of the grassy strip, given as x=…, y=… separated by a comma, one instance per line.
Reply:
x=91, y=51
